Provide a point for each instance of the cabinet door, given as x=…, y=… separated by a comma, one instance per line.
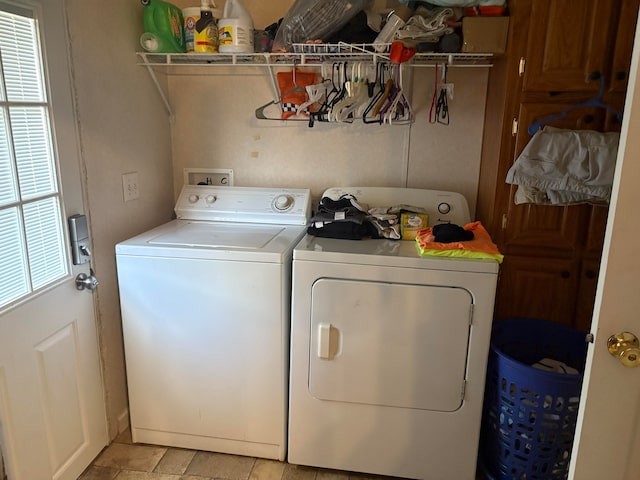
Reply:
x=548, y=229
x=595, y=232
x=586, y=294
x=568, y=40
x=624, y=45
x=537, y=288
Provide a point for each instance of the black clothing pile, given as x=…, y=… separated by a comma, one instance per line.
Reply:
x=344, y=218
x=349, y=219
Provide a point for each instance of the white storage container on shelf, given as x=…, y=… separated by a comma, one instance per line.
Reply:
x=235, y=29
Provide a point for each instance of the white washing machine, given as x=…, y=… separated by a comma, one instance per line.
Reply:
x=205, y=305
x=389, y=349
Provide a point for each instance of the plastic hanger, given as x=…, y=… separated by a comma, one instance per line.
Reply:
x=398, y=110
x=345, y=109
x=380, y=82
x=594, y=102
x=342, y=79
x=322, y=114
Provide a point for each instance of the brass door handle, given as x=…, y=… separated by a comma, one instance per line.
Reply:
x=626, y=348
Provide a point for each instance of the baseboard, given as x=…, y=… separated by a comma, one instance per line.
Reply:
x=123, y=421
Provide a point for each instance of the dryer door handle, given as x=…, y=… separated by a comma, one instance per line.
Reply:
x=327, y=341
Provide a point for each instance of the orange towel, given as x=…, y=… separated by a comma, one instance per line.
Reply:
x=480, y=247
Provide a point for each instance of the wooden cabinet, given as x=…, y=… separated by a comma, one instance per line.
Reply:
x=559, y=52
x=567, y=42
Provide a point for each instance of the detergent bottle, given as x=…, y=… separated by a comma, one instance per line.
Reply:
x=235, y=29
x=162, y=23
x=205, y=36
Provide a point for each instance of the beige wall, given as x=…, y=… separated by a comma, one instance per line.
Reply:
x=215, y=126
x=124, y=127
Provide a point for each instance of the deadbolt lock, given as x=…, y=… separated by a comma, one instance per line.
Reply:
x=626, y=348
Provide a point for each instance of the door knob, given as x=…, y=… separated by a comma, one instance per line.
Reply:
x=626, y=348
x=87, y=282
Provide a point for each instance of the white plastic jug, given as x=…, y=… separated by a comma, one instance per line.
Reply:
x=235, y=29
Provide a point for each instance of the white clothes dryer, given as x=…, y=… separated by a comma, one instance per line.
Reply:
x=205, y=305
x=389, y=349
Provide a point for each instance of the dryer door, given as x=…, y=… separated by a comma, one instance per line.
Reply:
x=363, y=351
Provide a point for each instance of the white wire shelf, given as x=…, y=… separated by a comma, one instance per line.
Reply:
x=303, y=55
x=309, y=54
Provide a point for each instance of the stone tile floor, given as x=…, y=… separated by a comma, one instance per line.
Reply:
x=123, y=460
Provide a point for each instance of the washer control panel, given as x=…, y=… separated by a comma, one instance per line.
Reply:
x=244, y=204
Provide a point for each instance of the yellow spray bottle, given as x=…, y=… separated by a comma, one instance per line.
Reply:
x=205, y=35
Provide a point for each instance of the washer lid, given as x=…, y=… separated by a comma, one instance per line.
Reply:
x=230, y=235
x=215, y=240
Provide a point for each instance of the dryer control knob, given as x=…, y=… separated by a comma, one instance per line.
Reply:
x=444, y=208
x=283, y=202
x=210, y=199
x=193, y=198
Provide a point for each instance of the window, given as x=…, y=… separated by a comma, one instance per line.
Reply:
x=32, y=246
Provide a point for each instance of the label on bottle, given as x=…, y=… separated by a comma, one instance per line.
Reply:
x=189, y=30
x=205, y=38
x=225, y=35
x=235, y=37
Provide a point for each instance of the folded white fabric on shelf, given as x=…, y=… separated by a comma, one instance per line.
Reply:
x=569, y=166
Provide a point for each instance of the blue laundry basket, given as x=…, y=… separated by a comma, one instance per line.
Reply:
x=529, y=415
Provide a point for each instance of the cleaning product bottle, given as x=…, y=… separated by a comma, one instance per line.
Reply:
x=191, y=15
x=235, y=29
x=395, y=21
x=162, y=23
x=205, y=36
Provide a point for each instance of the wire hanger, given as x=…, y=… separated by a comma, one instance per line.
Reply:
x=434, y=100
x=594, y=102
x=442, y=107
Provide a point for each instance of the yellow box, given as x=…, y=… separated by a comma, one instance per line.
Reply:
x=411, y=222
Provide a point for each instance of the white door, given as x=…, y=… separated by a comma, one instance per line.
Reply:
x=607, y=442
x=52, y=414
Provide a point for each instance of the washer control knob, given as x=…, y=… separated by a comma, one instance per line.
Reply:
x=444, y=208
x=283, y=202
x=210, y=199
x=193, y=198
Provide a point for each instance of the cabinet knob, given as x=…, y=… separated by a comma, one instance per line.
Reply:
x=594, y=76
x=621, y=76
x=588, y=119
x=590, y=274
x=565, y=274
